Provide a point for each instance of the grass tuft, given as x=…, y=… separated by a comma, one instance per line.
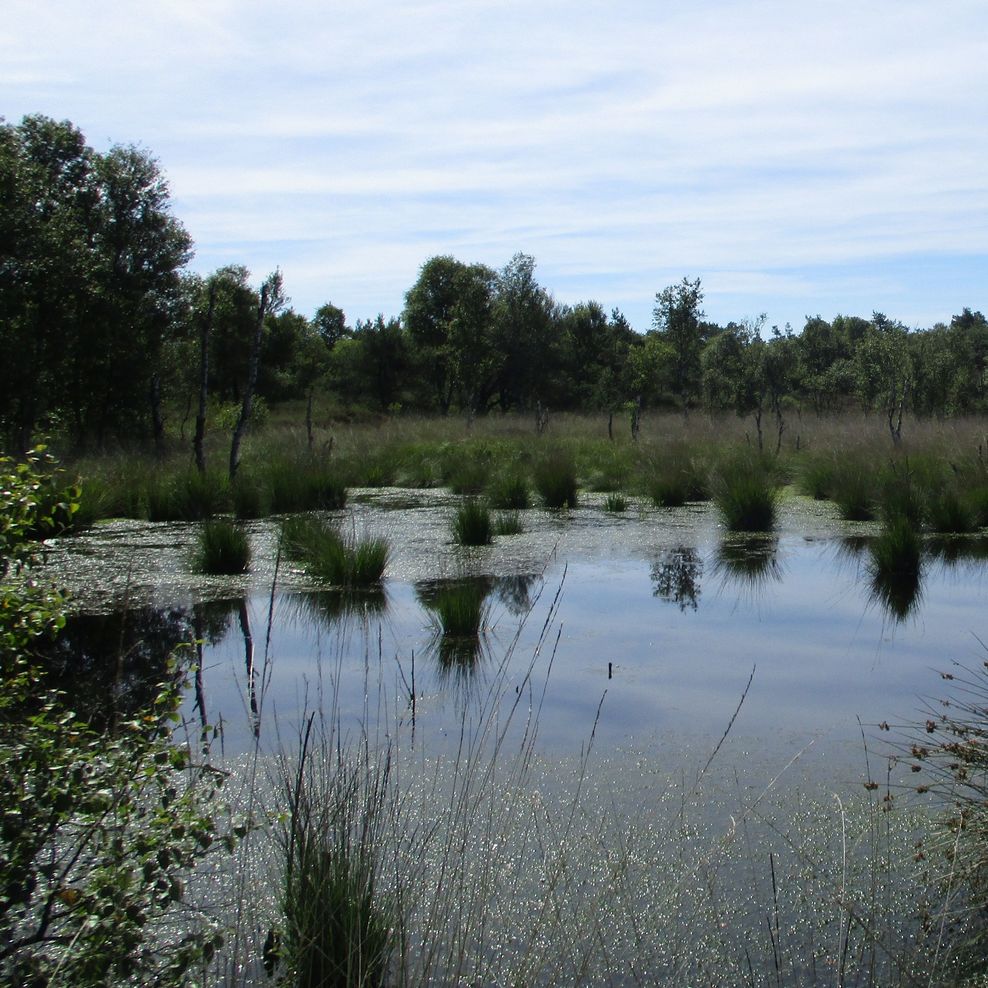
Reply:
x=508, y=523
x=472, y=523
x=222, y=548
x=329, y=555
x=556, y=481
x=746, y=495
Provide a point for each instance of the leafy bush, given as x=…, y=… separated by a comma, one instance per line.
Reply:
x=99, y=830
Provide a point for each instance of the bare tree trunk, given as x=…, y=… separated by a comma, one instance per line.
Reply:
x=248, y=403
x=308, y=420
x=157, y=420
x=205, y=331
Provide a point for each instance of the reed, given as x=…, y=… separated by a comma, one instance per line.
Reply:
x=556, y=481
x=616, y=503
x=746, y=495
x=508, y=523
x=508, y=490
x=326, y=553
x=472, y=524
x=222, y=547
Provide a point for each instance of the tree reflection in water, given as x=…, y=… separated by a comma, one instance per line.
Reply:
x=676, y=574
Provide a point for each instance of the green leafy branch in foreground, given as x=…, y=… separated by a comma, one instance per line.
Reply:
x=97, y=830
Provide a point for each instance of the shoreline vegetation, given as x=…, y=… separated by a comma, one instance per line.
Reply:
x=885, y=890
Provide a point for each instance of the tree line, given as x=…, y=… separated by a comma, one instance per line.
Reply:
x=105, y=333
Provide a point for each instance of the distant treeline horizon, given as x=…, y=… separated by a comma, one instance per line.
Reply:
x=108, y=337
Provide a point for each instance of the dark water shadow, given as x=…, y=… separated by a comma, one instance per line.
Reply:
x=676, y=576
x=111, y=666
x=332, y=608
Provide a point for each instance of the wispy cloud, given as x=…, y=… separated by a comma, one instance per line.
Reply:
x=791, y=155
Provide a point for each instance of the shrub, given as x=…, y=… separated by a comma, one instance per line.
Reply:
x=100, y=830
x=222, y=548
x=472, y=523
x=555, y=480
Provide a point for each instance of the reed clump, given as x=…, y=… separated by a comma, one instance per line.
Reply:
x=508, y=523
x=616, y=503
x=329, y=554
x=556, y=480
x=222, y=547
x=472, y=523
x=746, y=494
x=509, y=490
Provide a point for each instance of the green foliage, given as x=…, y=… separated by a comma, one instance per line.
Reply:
x=339, y=925
x=99, y=830
x=853, y=488
x=556, y=481
x=472, y=523
x=35, y=503
x=508, y=523
x=222, y=548
x=344, y=561
x=187, y=495
x=673, y=476
x=746, y=495
x=509, y=489
x=616, y=503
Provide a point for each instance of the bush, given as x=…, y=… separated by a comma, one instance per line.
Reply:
x=100, y=830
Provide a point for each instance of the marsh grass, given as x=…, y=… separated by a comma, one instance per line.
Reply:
x=222, y=547
x=556, y=480
x=674, y=475
x=508, y=490
x=616, y=503
x=472, y=524
x=339, y=921
x=745, y=494
x=187, y=495
x=948, y=511
x=327, y=553
x=508, y=523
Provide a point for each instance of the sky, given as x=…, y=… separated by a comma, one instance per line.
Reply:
x=799, y=158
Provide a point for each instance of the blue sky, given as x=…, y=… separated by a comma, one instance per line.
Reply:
x=820, y=157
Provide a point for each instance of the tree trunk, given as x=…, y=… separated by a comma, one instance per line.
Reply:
x=248, y=403
x=157, y=420
x=204, y=333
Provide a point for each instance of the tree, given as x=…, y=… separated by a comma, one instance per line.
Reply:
x=89, y=282
x=525, y=317
x=269, y=301
x=885, y=370
x=676, y=318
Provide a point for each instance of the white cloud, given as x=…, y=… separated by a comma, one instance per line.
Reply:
x=624, y=144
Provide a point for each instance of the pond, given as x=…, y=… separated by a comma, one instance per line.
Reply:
x=661, y=624
x=678, y=728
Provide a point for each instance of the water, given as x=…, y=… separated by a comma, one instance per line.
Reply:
x=661, y=620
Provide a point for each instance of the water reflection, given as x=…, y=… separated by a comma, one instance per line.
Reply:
x=515, y=592
x=954, y=549
x=898, y=594
x=459, y=610
x=334, y=607
x=676, y=574
x=748, y=562
x=113, y=664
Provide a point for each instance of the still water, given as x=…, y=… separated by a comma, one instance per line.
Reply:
x=652, y=629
